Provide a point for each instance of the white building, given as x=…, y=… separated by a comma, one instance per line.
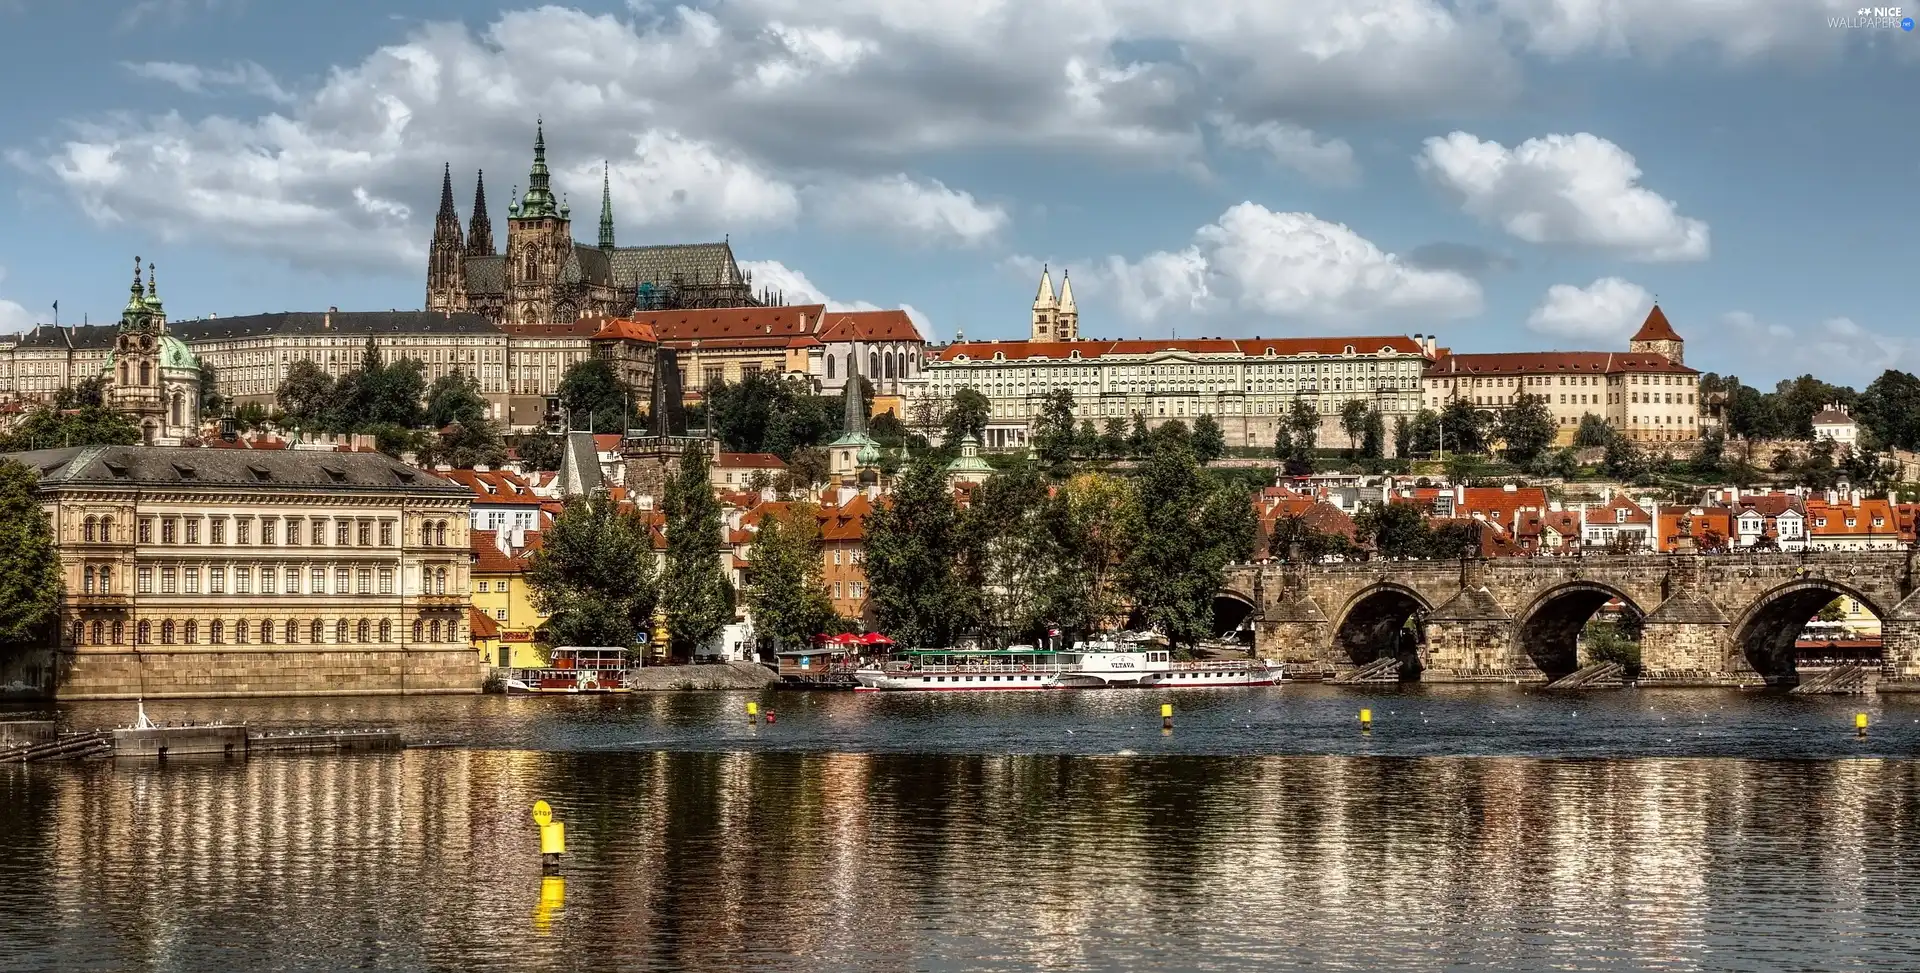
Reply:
x=1835, y=425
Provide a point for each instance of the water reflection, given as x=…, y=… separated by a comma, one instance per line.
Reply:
x=825, y=862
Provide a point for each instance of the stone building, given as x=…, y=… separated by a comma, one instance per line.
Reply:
x=196, y=572
x=151, y=375
x=806, y=342
x=1646, y=392
x=545, y=276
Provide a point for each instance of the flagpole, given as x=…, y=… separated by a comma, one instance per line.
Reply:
x=56, y=314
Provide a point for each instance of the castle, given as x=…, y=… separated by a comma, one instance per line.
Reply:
x=545, y=277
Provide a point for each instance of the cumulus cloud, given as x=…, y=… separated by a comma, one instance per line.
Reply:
x=1293, y=267
x=799, y=289
x=1607, y=310
x=1737, y=30
x=1319, y=158
x=919, y=212
x=1570, y=190
x=670, y=180
x=13, y=317
x=1844, y=350
x=246, y=77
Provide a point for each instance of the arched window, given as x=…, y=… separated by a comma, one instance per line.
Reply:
x=418, y=628
x=440, y=582
x=86, y=584
x=362, y=632
x=873, y=364
x=316, y=631
x=146, y=373
x=216, y=631
x=119, y=633
x=293, y=632
x=266, y=633
x=179, y=404
x=889, y=366
x=106, y=530
x=435, y=630
x=143, y=633
x=79, y=632
x=192, y=634
x=166, y=632
x=386, y=630
x=123, y=373
x=829, y=367
x=90, y=531
x=240, y=632
x=340, y=631
x=95, y=630
x=440, y=535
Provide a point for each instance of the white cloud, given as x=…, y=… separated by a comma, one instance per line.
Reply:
x=1838, y=348
x=13, y=317
x=1607, y=310
x=799, y=289
x=1738, y=30
x=1575, y=190
x=1290, y=266
x=670, y=180
x=1324, y=160
x=920, y=212
x=245, y=77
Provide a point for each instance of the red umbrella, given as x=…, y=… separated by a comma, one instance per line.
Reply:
x=875, y=638
x=845, y=638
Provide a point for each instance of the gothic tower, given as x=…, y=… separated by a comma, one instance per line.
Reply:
x=1657, y=337
x=1046, y=310
x=446, y=257
x=539, y=242
x=480, y=232
x=1068, y=317
x=606, y=210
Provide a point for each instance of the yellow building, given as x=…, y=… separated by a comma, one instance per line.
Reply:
x=501, y=593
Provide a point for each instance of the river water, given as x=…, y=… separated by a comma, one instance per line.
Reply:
x=1471, y=828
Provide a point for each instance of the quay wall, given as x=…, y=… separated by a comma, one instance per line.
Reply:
x=184, y=672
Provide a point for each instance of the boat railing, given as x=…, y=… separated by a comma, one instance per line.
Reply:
x=977, y=667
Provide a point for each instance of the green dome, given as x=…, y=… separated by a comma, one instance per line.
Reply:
x=174, y=353
x=869, y=455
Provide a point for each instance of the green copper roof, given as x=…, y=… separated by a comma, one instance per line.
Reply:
x=539, y=199
x=969, y=460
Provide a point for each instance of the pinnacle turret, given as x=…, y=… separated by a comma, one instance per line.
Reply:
x=606, y=208
x=446, y=223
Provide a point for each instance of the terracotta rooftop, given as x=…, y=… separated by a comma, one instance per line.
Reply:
x=1552, y=363
x=1249, y=347
x=1656, y=328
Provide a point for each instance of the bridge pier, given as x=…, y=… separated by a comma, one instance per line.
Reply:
x=1900, y=647
x=1688, y=641
x=1470, y=639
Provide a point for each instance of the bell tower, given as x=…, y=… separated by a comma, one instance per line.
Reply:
x=446, y=257
x=1657, y=337
x=1046, y=310
x=135, y=383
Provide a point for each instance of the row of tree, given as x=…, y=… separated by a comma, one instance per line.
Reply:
x=1888, y=409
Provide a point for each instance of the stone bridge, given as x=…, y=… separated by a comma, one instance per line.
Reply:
x=1721, y=620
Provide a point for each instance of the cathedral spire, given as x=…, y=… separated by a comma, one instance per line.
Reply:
x=1066, y=293
x=446, y=223
x=1045, y=297
x=855, y=404
x=480, y=231
x=539, y=198
x=606, y=208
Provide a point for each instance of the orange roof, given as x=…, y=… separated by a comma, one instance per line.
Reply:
x=1701, y=522
x=732, y=322
x=494, y=486
x=623, y=329
x=847, y=522
x=1499, y=504
x=1251, y=347
x=480, y=625
x=869, y=326
x=758, y=461
x=487, y=559
x=1552, y=363
x=1656, y=328
x=1870, y=516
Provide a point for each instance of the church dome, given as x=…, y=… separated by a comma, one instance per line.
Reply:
x=869, y=455
x=174, y=353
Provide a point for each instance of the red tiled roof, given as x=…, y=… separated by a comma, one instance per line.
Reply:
x=1863, y=516
x=1656, y=328
x=891, y=325
x=1251, y=347
x=624, y=329
x=487, y=558
x=757, y=461
x=732, y=322
x=480, y=625
x=1552, y=363
x=606, y=442
x=494, y=486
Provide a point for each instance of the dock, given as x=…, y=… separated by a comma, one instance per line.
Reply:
x=21, y=742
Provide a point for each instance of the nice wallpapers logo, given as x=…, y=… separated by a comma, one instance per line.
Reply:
x=1874, y=18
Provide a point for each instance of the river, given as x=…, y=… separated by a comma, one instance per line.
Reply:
x=1471, y=828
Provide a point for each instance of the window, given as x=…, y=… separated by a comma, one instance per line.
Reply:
x=191, y=578
x=243, y=530
x=342, y=581
x=167, y=581
x=836, y=557
x=240, y=632
x=106, y=582
x=266, y=633
x=217, y=530
x=216, y=581
x=143, y=633
x=119, y=633
x=266, y=581
x=293, y=581
x=499, y=614
x=418, y=628
x=143, y=581
x=340, y=533
x=268, y=530
x=386, y=630
x=243, y=581
x=293, y=532
x=87, y=585
x=167, y=533
x=386, y=533
x=440, y=581
x=483, y=587
x=317, y=581
x=365, y=578
x=146, y=530
x=193, y=530
x=191, y=635
x=386, y=581
x=362, y=631
x=316, y=630
x=79, y=632
x=366, y=534
x=340, y=631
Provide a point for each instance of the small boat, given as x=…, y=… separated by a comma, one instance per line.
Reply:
x=575, y=670
x=1088, y=665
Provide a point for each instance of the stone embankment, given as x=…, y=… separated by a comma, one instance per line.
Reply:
x=730, y=675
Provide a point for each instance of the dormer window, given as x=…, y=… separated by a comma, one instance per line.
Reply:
x=1620, y=515
x=260, y=473
x=185, y=472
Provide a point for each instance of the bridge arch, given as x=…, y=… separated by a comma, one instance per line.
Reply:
x=1373, y=624
x=1231, y=611
x=1767, y=631
x=1548, y=630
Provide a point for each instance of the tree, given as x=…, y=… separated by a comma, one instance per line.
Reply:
x=1592, y=433
x=1797, y=400
x=212, y=403
x=1209, y=442
x=476, y=442
x=1188, y=526
x=1373, y=442
x=925, y=417
x=455, y=398
x=692, y=587
x=306, y=397
x=1833, y=611
x=1303, y=421
x=1711, y=455
x=764, y=413
x=887, y=430
x=1624, y=459
x=30, y=582
x=86, y=393
x=1526, y=429
x=1138, y=437
x=540, y=451
x=1113, y=439
x=1006, y=555
x=49, y=428
x=1295, y=541
x=1053, y=429
x=967, y=416
x=1087, y=443
x=592, y=395
x=1089, y=518
x=788, y=598
x=1463, y=428
x=1293, y=439
x=809, y=466
x=914, y=541
x=593, y=575
x=1890, y=408
x=1394, y=530
x=1353, y=422
x=1423, y=433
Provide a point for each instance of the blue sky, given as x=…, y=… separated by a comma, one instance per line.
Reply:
x=1508, y=174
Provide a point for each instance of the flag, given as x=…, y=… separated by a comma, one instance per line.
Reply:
x=56, y=307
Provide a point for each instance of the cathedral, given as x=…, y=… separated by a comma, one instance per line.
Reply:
x=545, y=277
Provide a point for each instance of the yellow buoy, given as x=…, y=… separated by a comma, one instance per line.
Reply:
x=1366, y=719
x=553, y=838
x=1166, y=716
x=753, y=710
x=1860, y=723
x=542, y=813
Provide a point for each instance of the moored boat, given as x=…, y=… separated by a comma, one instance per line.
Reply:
x=1095, y=665
x=575, y=670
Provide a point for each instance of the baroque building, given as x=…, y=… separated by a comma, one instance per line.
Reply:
x=150, y=374
x=546, y=277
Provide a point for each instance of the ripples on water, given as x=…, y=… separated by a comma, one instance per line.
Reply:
x=919, y=833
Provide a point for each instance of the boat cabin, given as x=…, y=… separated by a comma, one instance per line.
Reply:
x=816, y=660
x=596, y=658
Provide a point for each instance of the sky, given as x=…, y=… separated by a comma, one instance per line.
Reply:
x=1505, y=174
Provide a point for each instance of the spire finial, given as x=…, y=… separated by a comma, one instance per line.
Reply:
x=136, y=277
x=150, y=293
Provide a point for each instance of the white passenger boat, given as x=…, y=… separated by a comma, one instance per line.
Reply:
x=1096, y=665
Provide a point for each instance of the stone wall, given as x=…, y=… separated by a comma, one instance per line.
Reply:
x=184, y=672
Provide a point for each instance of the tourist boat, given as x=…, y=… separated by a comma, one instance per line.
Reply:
x=575, y=670
x=1095, y=665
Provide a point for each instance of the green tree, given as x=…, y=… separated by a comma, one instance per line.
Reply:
x=1089, y=518
x=1624, y=459
x=1353, y=422
x=49, y=428
x=593, y=397
x=1293, y=439
x=1592, y=433
x=809, y=466
x=540, y=450
x=1209, y=441
x=1890, y=408
x=1139, y=438
x=1403, y=437
x=1526, y=429
x=1463, y=428
x=30, y=583
x=914, y=542
x=887, y=430
x=1007, y=554
x=1053, y=428
x=1373, y=443
x=692, y=587
x=1295, y=541
x=788, y=598
x=1113, y=439
x=593, y=575
x=1424, y=432
x=455, y=397
x=1797, y=400
x=1394, y=530
x=476, y=442
x=212, y=403
x=1710, y=458
x=307, y=397
x=967, y=416
x=1188, y=526
x=1087, y=443
x=84, y=394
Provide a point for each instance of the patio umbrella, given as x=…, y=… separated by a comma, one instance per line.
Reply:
x=875, y=638
x=845, y=638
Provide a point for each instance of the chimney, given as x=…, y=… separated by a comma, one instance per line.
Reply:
x=503, y=543
x=1510, y=488
x=1459, y=497
x=1833, y=498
